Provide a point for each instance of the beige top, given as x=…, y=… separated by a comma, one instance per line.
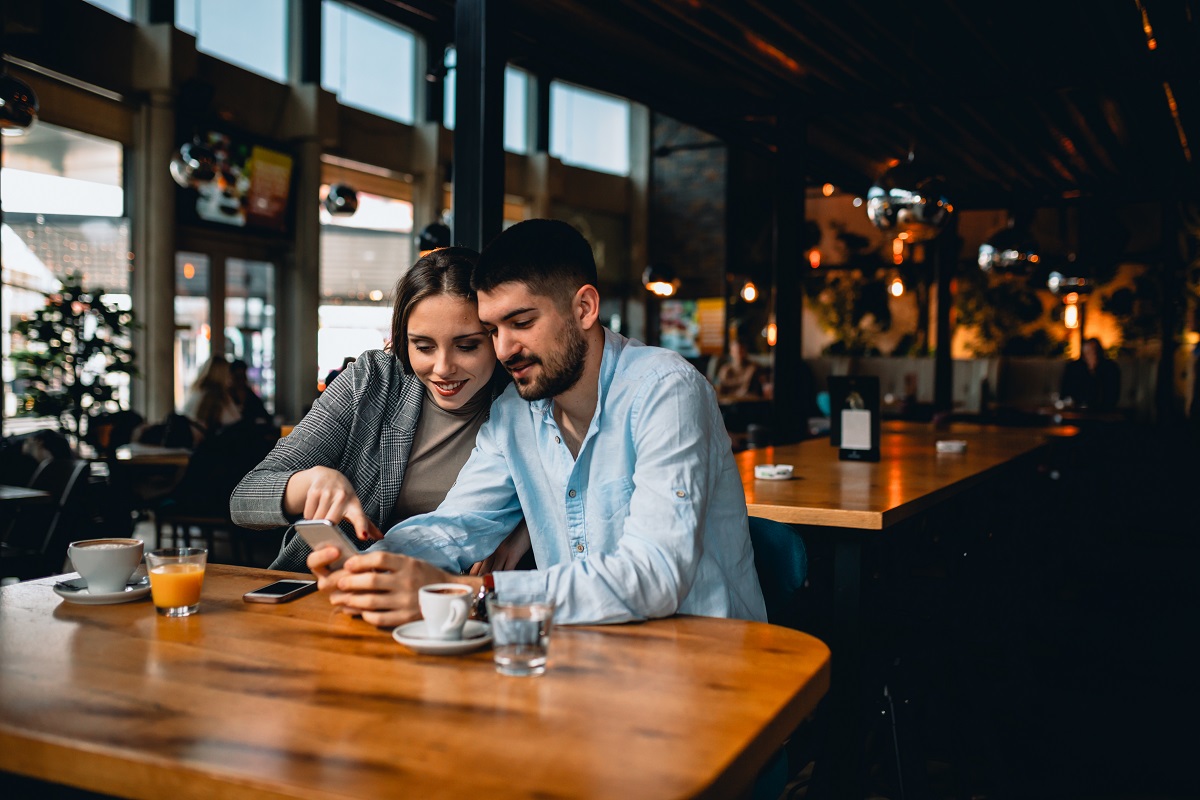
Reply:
x=441, y=445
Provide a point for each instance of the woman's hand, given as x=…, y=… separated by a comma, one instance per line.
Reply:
x=380, y=587
x=508, y=554
x=324, y=493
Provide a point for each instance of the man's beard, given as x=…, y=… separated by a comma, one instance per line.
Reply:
x=560, y=371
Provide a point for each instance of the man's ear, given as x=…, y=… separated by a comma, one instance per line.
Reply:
x=586, y=306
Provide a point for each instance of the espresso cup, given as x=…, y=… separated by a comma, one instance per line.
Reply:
x=106, y=564
x=445, y=607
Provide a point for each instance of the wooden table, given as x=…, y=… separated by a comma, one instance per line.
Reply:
x=139, y=454
x=852, y=501
x=296, y=700
x=20, y=495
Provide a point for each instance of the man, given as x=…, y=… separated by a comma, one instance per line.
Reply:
x=613, y=452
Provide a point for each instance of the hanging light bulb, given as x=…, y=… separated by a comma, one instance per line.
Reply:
x=18, y=106
x=904, y=201
x=1012, y=250
x=660, y=280
x=193, y=165
x=749, y=292
x=896, y=287
x=341, y=200
x=1071, y=316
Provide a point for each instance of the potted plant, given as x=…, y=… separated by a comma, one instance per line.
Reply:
x=73, y=349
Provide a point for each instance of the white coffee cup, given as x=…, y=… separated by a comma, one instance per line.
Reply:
x=445, y=607
x=106, y=564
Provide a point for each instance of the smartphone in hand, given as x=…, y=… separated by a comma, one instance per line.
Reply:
x=322, y=533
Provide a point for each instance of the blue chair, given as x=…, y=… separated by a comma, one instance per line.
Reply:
x=782, y=565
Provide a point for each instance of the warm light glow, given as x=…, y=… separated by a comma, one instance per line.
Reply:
x=896, y=287
x=749, y=292
x=661, y=288
x=1071, y=316
x=827, y=190
x=1151, y=42
x=903, y=235
x=189, y=270
x=814, y=258
x=1192, y=338
x=206, y=331
x=772, y=334
x=1071, y=299
x=1174, y=107
x=898, y=249
x=376, y=295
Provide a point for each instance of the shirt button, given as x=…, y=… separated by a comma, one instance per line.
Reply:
x=681, y=493
x=571, y=493
x=557, y=440
x=579, y=548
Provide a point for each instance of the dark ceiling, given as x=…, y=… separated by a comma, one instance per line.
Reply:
x=1011, y=101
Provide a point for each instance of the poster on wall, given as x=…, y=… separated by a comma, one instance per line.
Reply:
x=231, y=180
x=710, y=314
x=680, y=327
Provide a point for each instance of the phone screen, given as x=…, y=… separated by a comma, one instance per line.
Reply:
x=280, y=588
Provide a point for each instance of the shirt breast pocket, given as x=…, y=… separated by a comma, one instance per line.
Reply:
x=611, y=500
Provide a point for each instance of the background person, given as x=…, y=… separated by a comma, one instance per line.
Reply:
x=208, y=403
x=1093, y=381
x=388, y=437
x=243, y=394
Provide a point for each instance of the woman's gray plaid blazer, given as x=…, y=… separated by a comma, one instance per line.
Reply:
x=362, y=426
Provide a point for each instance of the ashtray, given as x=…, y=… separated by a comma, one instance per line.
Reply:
x=951, y=446
x=773, y=472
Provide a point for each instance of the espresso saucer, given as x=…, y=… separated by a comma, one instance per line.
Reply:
x=74, y=590
x=475, y=635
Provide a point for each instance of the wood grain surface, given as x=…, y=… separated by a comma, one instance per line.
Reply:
x=296, y=700
x=909, y=477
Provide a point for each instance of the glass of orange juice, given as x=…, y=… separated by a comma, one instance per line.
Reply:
x=176, y=575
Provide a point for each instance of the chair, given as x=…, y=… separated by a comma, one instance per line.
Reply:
x=781, y=561
x=201, y=499
x=37, y=542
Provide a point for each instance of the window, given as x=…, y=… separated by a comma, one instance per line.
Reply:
x=63, y=213
x=362, y=257
x=516, y=101
x=589, y=129
x=119, y=8
x=250, y=34
x=368, y=63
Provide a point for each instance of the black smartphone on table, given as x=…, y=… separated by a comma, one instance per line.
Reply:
x=280, y=591
x=322, y=533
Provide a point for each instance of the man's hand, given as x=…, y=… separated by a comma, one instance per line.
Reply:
x=329, y=495
x=380, y=587
x=507, y=555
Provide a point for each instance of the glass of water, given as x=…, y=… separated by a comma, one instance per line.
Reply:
x=520, y=633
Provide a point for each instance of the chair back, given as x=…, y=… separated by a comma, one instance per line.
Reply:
x=782, y=564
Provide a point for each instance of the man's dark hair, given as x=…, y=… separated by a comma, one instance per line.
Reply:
x=549, y=256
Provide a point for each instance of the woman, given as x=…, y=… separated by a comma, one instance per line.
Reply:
x=208, y=403
x=386, y=440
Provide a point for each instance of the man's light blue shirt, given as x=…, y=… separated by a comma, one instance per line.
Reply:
x=649, y=520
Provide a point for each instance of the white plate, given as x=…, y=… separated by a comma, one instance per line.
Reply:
x=138, y=588
x=475, y=634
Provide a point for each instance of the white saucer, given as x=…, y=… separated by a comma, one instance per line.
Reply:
x=475, y=634
x=136, y=590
